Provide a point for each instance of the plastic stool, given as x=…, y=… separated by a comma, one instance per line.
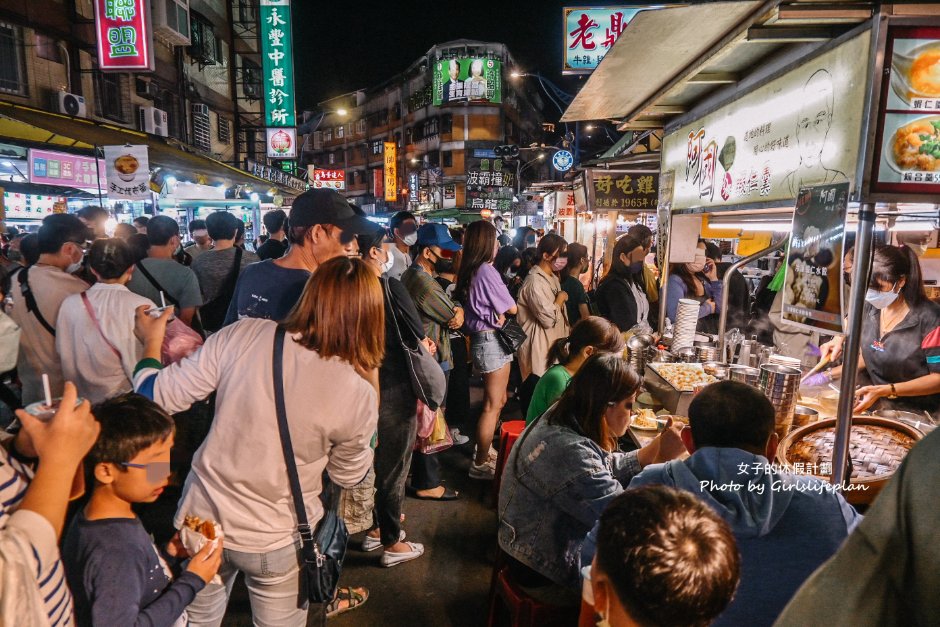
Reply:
x=509, y=432
x=524, y=610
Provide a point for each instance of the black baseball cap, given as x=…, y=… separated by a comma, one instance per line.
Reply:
x=326, y=206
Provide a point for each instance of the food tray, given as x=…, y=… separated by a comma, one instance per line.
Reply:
x=697, y=369
x=673, y=400
x=877, y=448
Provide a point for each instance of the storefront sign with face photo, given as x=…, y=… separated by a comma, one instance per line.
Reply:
x=799, y=129
x=812, y=296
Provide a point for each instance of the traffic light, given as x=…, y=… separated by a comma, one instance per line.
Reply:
x=507, y=150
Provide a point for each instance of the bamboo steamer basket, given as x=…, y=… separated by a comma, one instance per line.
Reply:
x=877, y=448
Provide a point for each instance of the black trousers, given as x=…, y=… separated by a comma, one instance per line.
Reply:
x=397, y=429
x=526, y=390
x=458, y=388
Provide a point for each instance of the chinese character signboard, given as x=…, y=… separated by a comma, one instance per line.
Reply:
x=490, y=184
x=622, y=190
x=391, y=172
x=812, y=295
x=128, y=172
x=331, y=179
x=125, y=36
x=467, y=80
x=799, y=129
x=275, y=175
x=590, y=33
x=907, y=147
x=282, y=143
x=277, y=62
x=58, y=168
x=19, y=206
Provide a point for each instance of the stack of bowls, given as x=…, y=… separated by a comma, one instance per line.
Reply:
x=706, y=351
x=780, y=385
x=683, y=333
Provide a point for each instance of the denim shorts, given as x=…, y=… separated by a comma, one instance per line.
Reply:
x=488, y=354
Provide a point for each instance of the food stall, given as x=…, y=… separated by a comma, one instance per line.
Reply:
x=808, y=123
x=191, y=201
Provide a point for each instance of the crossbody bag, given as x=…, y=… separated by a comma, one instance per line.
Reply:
x=323, y=550
x=31, y=305
x=94, y=318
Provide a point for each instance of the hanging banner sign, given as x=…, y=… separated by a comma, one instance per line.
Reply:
x=128, y=172
x=47, y=167
x=330, y=179
x=391, y=172
x=622, y=190
x=277, y=60
x=125, y=35
x=812, y=296
x=282, y=143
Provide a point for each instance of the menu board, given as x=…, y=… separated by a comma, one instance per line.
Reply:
x=812, y=296
x=907, y=158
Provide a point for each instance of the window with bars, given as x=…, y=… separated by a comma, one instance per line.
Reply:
x=224, y=131
x=378, y=147
x=110, y=96
x=340, y=131
x=13, y=68
x=202, y=127
x=447, y=123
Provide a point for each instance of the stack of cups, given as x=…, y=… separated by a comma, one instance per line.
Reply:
x=683, y=334
x=781, y=385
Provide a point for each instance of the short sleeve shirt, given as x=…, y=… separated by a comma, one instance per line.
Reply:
x=909, y=351
x=576, y=297
x=487, y=300
x=179, y=281
x=548, y=390
x=213, y=268
x=266, y=290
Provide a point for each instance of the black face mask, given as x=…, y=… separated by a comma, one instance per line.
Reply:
x=443, y=266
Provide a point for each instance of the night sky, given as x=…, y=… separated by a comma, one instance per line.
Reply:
x=343, y=46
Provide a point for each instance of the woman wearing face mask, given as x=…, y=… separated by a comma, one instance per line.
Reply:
x=508, y=262
x=398, y=424
x=621, y=295
x=578, y=264
x=697, y=280
x=565, y=469
x=542, y=313
x=900, y=341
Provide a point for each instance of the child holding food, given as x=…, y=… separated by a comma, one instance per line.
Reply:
x=113, y=568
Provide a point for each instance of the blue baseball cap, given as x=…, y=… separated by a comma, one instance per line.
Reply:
x=436, y=234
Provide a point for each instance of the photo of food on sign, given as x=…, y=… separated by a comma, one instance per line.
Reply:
x=812, y=294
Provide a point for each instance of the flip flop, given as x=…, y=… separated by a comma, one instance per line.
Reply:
x=448, y=495
x=354, y=597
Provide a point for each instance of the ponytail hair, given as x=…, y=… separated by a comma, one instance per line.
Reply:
x=593, y=331
x=890, y=264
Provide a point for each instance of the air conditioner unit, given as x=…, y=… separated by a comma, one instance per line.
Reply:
x=152, y=120
x=200, y=109
x=71, y=104
x=171, y=21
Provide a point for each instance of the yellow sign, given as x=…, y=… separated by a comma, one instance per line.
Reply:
x=391, y=172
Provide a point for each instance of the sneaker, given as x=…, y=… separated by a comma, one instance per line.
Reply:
x=459, y=438
x=485, y=471
x=390, y=559
x=370, y=544
x=492, y=456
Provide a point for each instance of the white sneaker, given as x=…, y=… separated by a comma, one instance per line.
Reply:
x=485, y=471
x=491, y=456
x=390, y=559
x=370, y=544
x=459, y=438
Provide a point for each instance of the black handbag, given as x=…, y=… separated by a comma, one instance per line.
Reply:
x=323, y=551
x=511, y=336
x=427, y=377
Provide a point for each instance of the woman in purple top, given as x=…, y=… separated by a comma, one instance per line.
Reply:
x=486, y=304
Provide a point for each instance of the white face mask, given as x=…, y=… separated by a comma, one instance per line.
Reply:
x=388, y=263
x=880, y=300
x=410, y=240
x=75, y=266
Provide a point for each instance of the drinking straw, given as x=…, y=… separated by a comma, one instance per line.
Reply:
x=45, y=388
x=162, y=300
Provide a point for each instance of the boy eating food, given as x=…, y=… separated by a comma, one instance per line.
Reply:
x=113, y=568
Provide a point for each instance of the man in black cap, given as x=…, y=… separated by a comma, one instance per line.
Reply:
x=321, y=225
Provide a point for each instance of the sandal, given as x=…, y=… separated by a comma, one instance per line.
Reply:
x=354, y=597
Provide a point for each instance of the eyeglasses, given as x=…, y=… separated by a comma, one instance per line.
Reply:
x=156, y=471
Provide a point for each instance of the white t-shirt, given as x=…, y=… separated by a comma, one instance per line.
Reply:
x=402, y=263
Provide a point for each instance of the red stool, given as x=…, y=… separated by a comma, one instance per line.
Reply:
x=524, y=610
x=509, y=432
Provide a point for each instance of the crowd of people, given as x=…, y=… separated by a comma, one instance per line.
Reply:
x=163, y=360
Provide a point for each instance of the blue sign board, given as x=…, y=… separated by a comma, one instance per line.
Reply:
x=563, y=160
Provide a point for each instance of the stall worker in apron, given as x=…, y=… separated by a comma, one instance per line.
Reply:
x=697, y=280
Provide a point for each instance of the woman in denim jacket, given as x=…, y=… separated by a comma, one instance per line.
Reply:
x=566, y=468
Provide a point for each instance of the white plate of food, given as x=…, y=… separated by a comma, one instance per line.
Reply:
x=645, y=420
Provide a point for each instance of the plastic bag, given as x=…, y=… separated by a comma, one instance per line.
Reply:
x=439, y=439
x=193, y=541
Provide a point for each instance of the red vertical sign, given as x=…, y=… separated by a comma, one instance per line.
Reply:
x=125, y=39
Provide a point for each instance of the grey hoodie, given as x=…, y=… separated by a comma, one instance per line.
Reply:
x=786, y=525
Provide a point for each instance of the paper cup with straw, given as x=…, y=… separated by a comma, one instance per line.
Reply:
x=46, y=409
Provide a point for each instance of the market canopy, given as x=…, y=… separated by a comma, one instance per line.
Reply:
x=53, y=129
x=667, y=61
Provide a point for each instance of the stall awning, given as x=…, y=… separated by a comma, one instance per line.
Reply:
x=35, y=125
x=654, y=47
x=16, y=187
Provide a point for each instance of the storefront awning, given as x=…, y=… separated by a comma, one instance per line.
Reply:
x=16, y=187
x=654, y=47
x=34, y=125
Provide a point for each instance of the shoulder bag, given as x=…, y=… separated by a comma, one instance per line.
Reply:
x=31, y=305
x=174, y=329
x=323, y=551
x=511, y=335
x=427, y=378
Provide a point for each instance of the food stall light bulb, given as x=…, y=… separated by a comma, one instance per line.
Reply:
x=171, y=180
x=776, y=227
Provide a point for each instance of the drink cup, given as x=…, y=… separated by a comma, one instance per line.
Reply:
x=45, y=412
